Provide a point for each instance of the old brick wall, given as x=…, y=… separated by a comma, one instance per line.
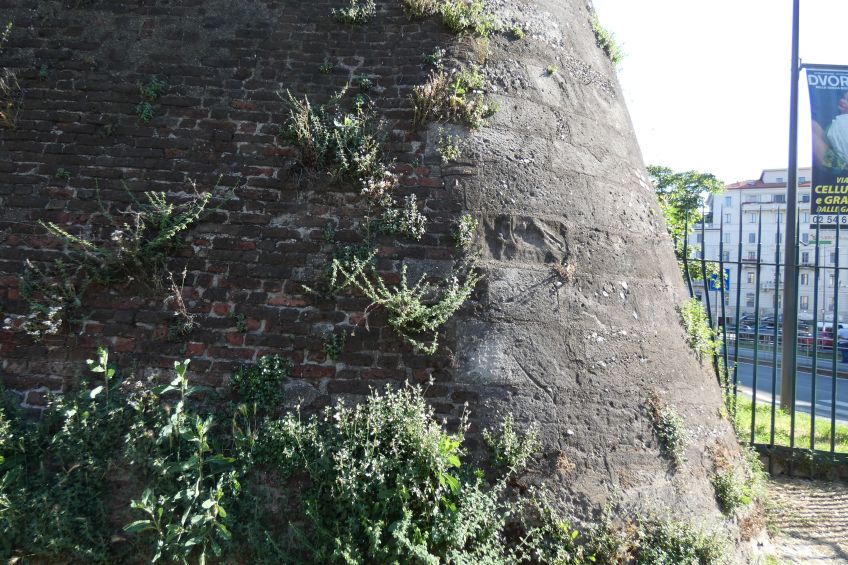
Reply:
x=225, y=64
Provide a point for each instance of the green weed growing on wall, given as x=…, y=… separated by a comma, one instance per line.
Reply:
x=150, y=94
x=457, y=96
x=356, y=12
x=261, y=383
x=606, y=41
x=416, y=311
x=668, y=427
x=346, y=144
x=136, y=250
x=11, y=93
x=700, y=337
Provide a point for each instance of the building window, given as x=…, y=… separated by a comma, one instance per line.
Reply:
x=752, y=256
x=805, y=198
x=728, y=201
x=805, y=303
x=752, y=218
x=805, y=279
x=830, y=304
x=778, y=237
x=751, y=277
x=805, y=257
x=752, y=238
x=780, y=198
x=805, y=238
x=727, y=255
x=749, y=299
x=832, y=258
x=805, y=217
x=699, y=238
x=728, y=218
x=802, y=179
x=779, y=179
x=725, y=237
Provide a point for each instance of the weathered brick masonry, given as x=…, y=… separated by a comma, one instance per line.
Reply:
x=225, y=64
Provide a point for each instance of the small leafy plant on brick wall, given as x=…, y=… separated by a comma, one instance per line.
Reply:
x=150, y=94
x=142, y=238
x=459, y=16
x=348, y=145
x=457, y=96
x=356, y=12
x=11, y=93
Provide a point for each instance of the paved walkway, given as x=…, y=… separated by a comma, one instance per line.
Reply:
x=813, y=520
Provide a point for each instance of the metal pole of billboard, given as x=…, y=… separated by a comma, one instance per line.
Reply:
x=790, y=285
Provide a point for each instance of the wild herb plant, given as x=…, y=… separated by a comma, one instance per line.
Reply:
x=261, y=383
x=606, y=41
x=699, y=335
x=181, y=515
x=11, y=93
x=348, y=145
x=511, y=450
x=457, y=96
x=668, y=427
x=387, y=484
x=417, y=311
x=404, y=221
x=333, y=344
x=357, y=12
x=468, y=16
x=463, y=234
x=449, y=146
x=150, y=94
x=142, y=238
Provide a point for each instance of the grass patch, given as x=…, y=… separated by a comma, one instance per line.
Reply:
x=782, y=427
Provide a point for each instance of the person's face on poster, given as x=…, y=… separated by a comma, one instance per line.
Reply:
x=842, y=105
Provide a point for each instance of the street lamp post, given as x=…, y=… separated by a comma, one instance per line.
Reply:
x=790, y=285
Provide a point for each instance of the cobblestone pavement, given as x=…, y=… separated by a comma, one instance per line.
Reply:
x=813, y=520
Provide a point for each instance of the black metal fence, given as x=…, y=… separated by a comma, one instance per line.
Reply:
x=815, y=429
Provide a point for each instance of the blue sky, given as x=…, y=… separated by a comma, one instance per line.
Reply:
x=707, y=83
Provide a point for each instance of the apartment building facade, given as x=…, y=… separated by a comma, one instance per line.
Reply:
x=759, y=208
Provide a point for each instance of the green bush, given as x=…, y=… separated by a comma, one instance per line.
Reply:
x=142, y=239
x=468, y=16
x=387, y=484
x=357, y=12
x=455, y=97
x=416, y=312
x=261, y=383
x=346, y=144
x=405, y=221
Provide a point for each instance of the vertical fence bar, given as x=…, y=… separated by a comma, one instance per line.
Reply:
x=686, y=255
x=738, y=306
x=794, y=368
x=756, y=327
x=776, y=341
x=814, y=371
x=704, y=276
x=723, y=375
x=834, y=373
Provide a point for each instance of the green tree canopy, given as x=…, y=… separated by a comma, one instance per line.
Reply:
x=680, y=194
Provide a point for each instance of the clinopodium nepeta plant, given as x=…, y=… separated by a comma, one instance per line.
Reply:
x=142, y=237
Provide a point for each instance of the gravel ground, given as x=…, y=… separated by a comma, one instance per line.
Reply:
x=813, y=520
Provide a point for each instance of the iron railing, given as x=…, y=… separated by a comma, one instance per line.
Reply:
x=747, y=361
